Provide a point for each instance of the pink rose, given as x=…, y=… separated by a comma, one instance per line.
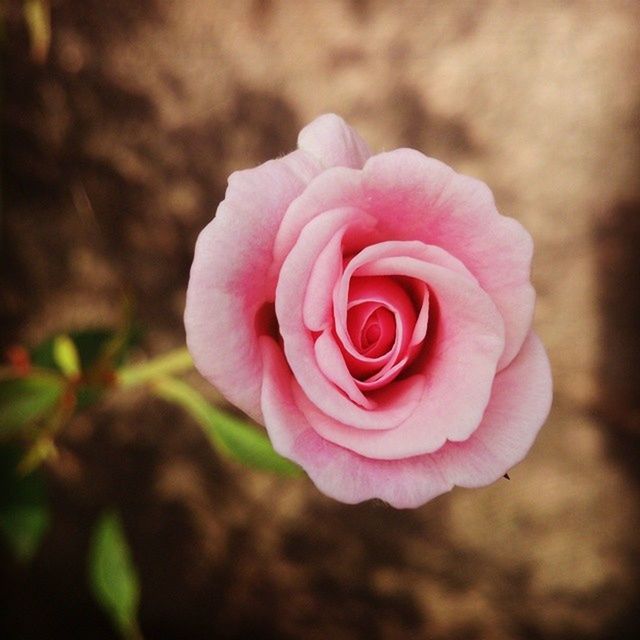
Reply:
x=374, y=313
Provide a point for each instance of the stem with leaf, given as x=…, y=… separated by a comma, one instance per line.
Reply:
x=174, y=362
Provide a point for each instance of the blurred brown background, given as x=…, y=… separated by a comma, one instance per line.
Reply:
x=116, y=153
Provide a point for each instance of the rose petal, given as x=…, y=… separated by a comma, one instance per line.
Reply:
x=414, y=197
x=519, y=404
x=333, y=185
x=383, y=291
x=332, y=141
x=390, y=249
x=391, y=407
x=366, y=318
x=364, y=365
x=418, y=198
x=339, y=473
x=332, y=364
x=225, y=293
x=318, y=305
x=386, y=375
x=459, y=369
x=420, y=329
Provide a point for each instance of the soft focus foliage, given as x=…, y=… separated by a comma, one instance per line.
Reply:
x=24, y=515
x=112, y=574
x=116, y=150
x=231, y=436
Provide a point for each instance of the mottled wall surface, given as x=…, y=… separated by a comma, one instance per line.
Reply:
x=116, y=154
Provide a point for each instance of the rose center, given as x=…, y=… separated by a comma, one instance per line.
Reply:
x=371, y=335
x=372, y=328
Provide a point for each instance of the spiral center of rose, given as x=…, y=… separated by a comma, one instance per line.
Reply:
x=383, y=334
x=371, y=328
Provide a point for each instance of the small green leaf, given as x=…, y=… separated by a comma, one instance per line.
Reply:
x=66, y=356
x=231, y=435
x=24, y=515
x=23, y=400
x=38, y=19
x=112, y=574
x=43, y=448
x=90, y=345
x=23, y=527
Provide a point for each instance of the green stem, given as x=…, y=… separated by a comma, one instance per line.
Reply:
x=171, y=363
x=231, y=436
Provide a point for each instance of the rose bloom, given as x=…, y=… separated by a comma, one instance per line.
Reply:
x=374, y=313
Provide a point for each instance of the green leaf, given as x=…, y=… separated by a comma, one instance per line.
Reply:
x=23, y=400
x=23, y=527
x=90, y=345
x=112, y=574
x=66, y=356
x=42, y=448
x=38, y=19
x=232, y=436
x=24, y=515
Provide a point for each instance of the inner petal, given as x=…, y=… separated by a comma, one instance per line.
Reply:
x=392, y=405
x=372, y=328
x=467, y=338
x=378, y=324
x=371, y=334
x=380, y=332
x=373, y=300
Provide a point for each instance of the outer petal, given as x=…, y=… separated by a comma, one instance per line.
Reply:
x=332, y=141
x=419, y=198
x=228, y=283
x=339, y=473
x=520, y=403
x=334, y=189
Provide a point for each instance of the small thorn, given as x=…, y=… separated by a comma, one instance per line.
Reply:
x=506, y=475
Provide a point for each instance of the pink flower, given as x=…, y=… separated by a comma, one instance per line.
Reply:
x=374, y=313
